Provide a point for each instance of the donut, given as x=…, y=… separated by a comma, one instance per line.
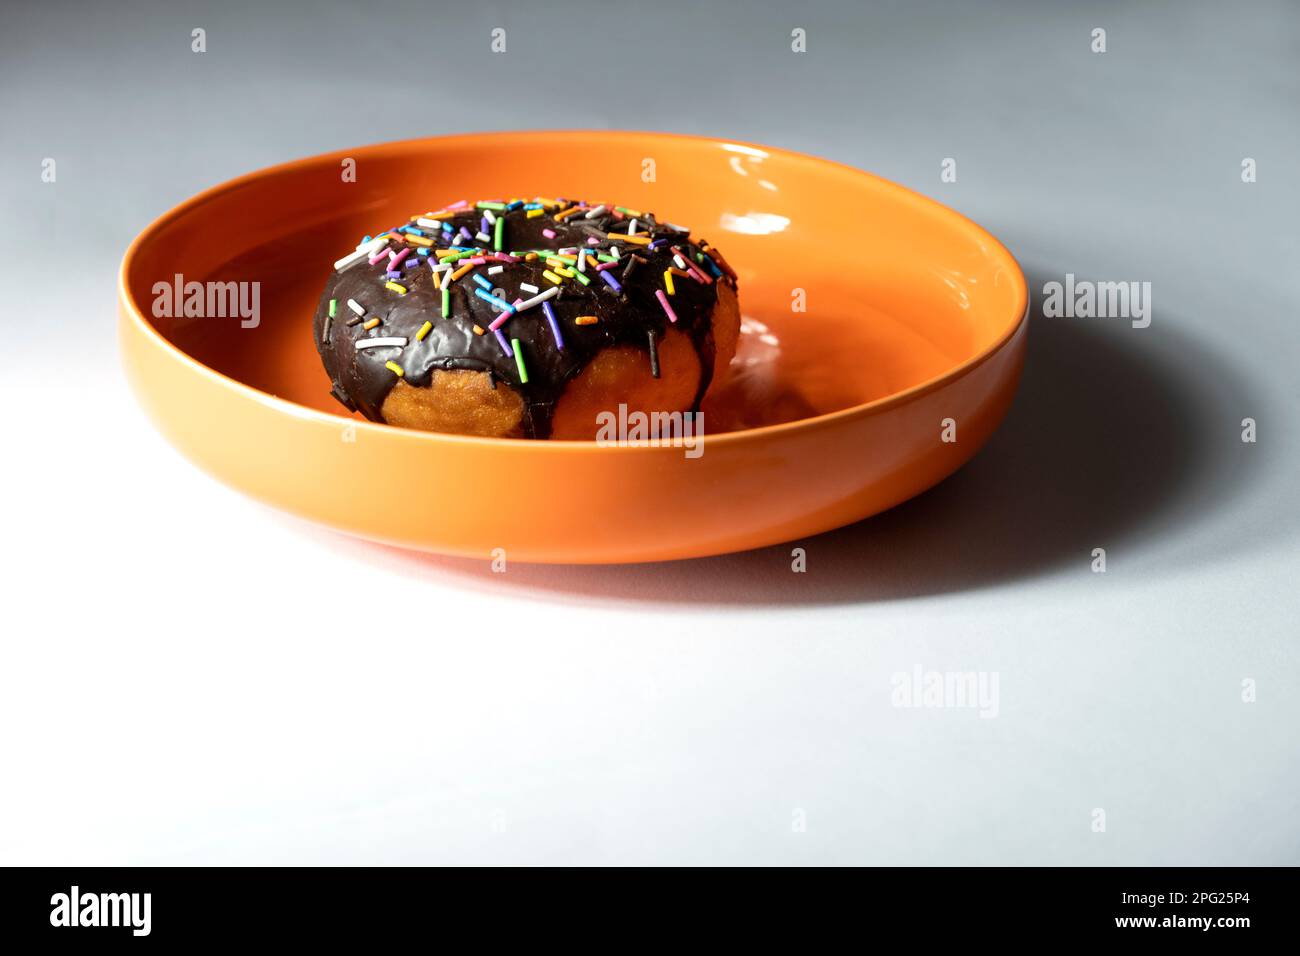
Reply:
x=526, y=319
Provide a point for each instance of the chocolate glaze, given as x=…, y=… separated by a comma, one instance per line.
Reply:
x=633, y=316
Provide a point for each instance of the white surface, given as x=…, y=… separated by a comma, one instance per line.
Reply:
x=180, y=676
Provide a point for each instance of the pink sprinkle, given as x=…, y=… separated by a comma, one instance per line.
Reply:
x=607, y=265
x=478, y=261
x=696, y=274
x=458, y=204
x=399, y=256
x=593, y=241
x=663, y=300
x=502, y=257
x=548, y=233
x=378, y=255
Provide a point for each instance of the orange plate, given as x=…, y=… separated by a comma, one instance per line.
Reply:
x=914, y=315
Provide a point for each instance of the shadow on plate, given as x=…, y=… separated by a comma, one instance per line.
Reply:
x=1117, y=435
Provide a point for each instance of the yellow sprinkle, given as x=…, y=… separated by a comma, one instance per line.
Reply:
x=370, y=324
x=394, y=368
x=399, y=289
x=477, y=330
x=418, y=240
x=534, y=213
x=567, y=273
x=444, y=253
x=553, y=261
x=424, y=330
x=552, y=276
x=586, y=320
x=668, y=282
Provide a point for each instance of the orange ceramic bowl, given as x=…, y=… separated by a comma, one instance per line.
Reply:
x=911, y=331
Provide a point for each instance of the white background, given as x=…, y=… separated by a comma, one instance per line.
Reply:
x=188, y=677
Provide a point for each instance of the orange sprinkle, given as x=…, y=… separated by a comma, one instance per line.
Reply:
x=370, y=325
x=586, y=320
x=477, y=330
x=462, y=271
x=624, y=237
x=418, y=240
x=566, y=214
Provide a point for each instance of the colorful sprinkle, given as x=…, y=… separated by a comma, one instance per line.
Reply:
x=663, y=300
x=555, y=325
x=394, y=368
x=501, y=340
x=399, y=289
x=424, y=330
x=519, y=361
x=370, y=324
x=586, y=320
x=334, y=308
x=446, y=302
x=501, y=304
x=356, y=307
x=668, y=282
x=654, y=353
x=382, y=342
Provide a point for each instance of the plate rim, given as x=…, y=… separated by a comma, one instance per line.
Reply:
x=132, y=314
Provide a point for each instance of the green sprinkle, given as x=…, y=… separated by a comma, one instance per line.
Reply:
x=446, y=303
x=581, y=278
x=496, y=241
x=492, y=205
x=334, y=307
x=605, y=258
x=519, y=361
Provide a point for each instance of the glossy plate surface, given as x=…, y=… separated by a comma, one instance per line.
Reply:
x=913, y=315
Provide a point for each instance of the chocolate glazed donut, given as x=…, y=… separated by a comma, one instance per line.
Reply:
x=524, y=318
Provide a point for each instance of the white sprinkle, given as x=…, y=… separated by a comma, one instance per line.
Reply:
x=676, y=228
x=482, y=237
x=361, y=252
x=487, y=214
x=593, y=213
x=527, y=287
x=495, y=269
x=680, y=264
x=443, y=267
x=356, y=307
x=582, y=262
x=631, y=227
x=380, y=342
x=429, y=223
x=615, y=251
x=538, y=299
